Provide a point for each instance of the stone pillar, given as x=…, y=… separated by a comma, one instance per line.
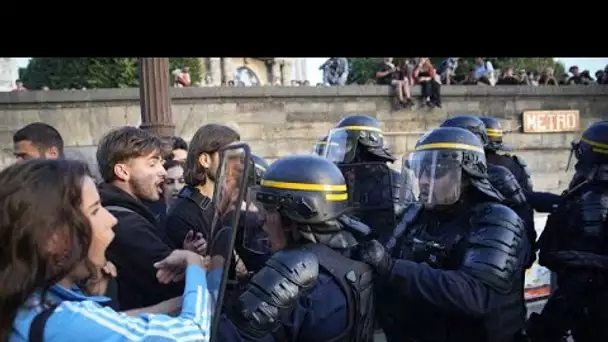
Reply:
x=303, y=69
x=215, y=70
x=228, y=72
x=287, y=72
x=154, y=96
x=276, y=73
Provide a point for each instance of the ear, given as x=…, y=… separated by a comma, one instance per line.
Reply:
x=205, y=160
x=52, y=153
x=122, y=172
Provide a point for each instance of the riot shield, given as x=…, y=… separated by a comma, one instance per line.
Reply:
x=370, y=194
x=228, y=197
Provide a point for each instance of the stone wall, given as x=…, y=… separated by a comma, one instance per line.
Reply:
x=279, y=121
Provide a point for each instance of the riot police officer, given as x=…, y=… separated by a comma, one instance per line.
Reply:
x=301, y=201
x=499, y=175
x=514, y=163
x=356, y=144
x=457, y=271
x=574, y=246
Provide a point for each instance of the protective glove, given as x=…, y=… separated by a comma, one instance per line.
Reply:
x=373, y=253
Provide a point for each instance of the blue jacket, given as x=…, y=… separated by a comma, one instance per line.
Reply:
x=81, y=318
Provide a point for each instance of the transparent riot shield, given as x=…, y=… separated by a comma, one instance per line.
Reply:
x=228, y=198
x=370, y=194
x=255, y=238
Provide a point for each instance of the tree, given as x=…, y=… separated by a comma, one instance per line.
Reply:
x=60, y=73
x=362, y=70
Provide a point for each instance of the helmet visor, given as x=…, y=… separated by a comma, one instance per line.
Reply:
x=432, y=177
x=258, y=226
x=341, y=145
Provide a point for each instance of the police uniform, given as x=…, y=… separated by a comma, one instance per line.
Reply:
x=356, y=144
x=309, y=193
x=574, y=246
x=456, y=272
x=499, y=175
x=515, y=164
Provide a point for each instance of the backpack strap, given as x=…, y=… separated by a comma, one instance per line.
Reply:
x=38, y=324
x=355, y=279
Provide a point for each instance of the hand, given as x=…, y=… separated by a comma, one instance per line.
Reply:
x=373, y=253
x=98, y=284
x=172, y=268
x=228, y=196
x=195, y=243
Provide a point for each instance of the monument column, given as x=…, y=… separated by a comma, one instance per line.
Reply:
x=215, y=70
x=287, y=71
x=154, y=97
x=276, y=73
x=228, y=72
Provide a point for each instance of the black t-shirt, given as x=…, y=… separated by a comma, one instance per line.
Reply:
x=386, y=80
x=186, y=215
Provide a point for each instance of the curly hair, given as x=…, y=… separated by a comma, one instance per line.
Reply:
x=45, y=234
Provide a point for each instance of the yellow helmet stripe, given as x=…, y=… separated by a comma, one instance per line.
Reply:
x=595, y=143
x=303, y=186
x=495, y=133
x=359, y=128
x=336, y=197
x=446, y=145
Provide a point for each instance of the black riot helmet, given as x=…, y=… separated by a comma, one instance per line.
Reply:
x=440, y=160
x=357, y=138
x=591, y=151
x=494, y=133
x=307, y=189
x=470, y=123
x=257, y=171
x=319, y=148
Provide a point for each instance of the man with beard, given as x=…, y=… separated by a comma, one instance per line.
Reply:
x=37, y=140
x=191, y=211
x=456, y=263
x=131, y=166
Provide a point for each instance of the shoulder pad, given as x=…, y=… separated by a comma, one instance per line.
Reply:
x=594, y=211
x=525, y=183
x=520, y=161
x=494, y=246
x=505, y=182
x=301, y=267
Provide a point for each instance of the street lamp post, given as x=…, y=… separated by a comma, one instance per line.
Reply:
x=154, y=97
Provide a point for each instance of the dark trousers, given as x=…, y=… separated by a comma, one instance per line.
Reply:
x=432, y=90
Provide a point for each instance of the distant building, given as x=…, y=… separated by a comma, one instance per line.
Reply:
x=9, y=73
x=248, y=71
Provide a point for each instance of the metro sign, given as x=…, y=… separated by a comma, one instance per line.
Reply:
x=546, y=121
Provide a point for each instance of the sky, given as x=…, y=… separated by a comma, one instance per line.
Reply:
x=315, y=76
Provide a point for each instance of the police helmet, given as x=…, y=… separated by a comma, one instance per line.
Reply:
x=471, y=123
x=306, y=189
x=319, y=148
x=494, y=133
x=440, y=158
x=592, y=148
x=354, y=134
x=257, y=171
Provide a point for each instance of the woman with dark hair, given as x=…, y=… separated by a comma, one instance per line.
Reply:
x=55, y=234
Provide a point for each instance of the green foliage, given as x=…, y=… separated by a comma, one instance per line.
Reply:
x=362, y=70
x=60, y=73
